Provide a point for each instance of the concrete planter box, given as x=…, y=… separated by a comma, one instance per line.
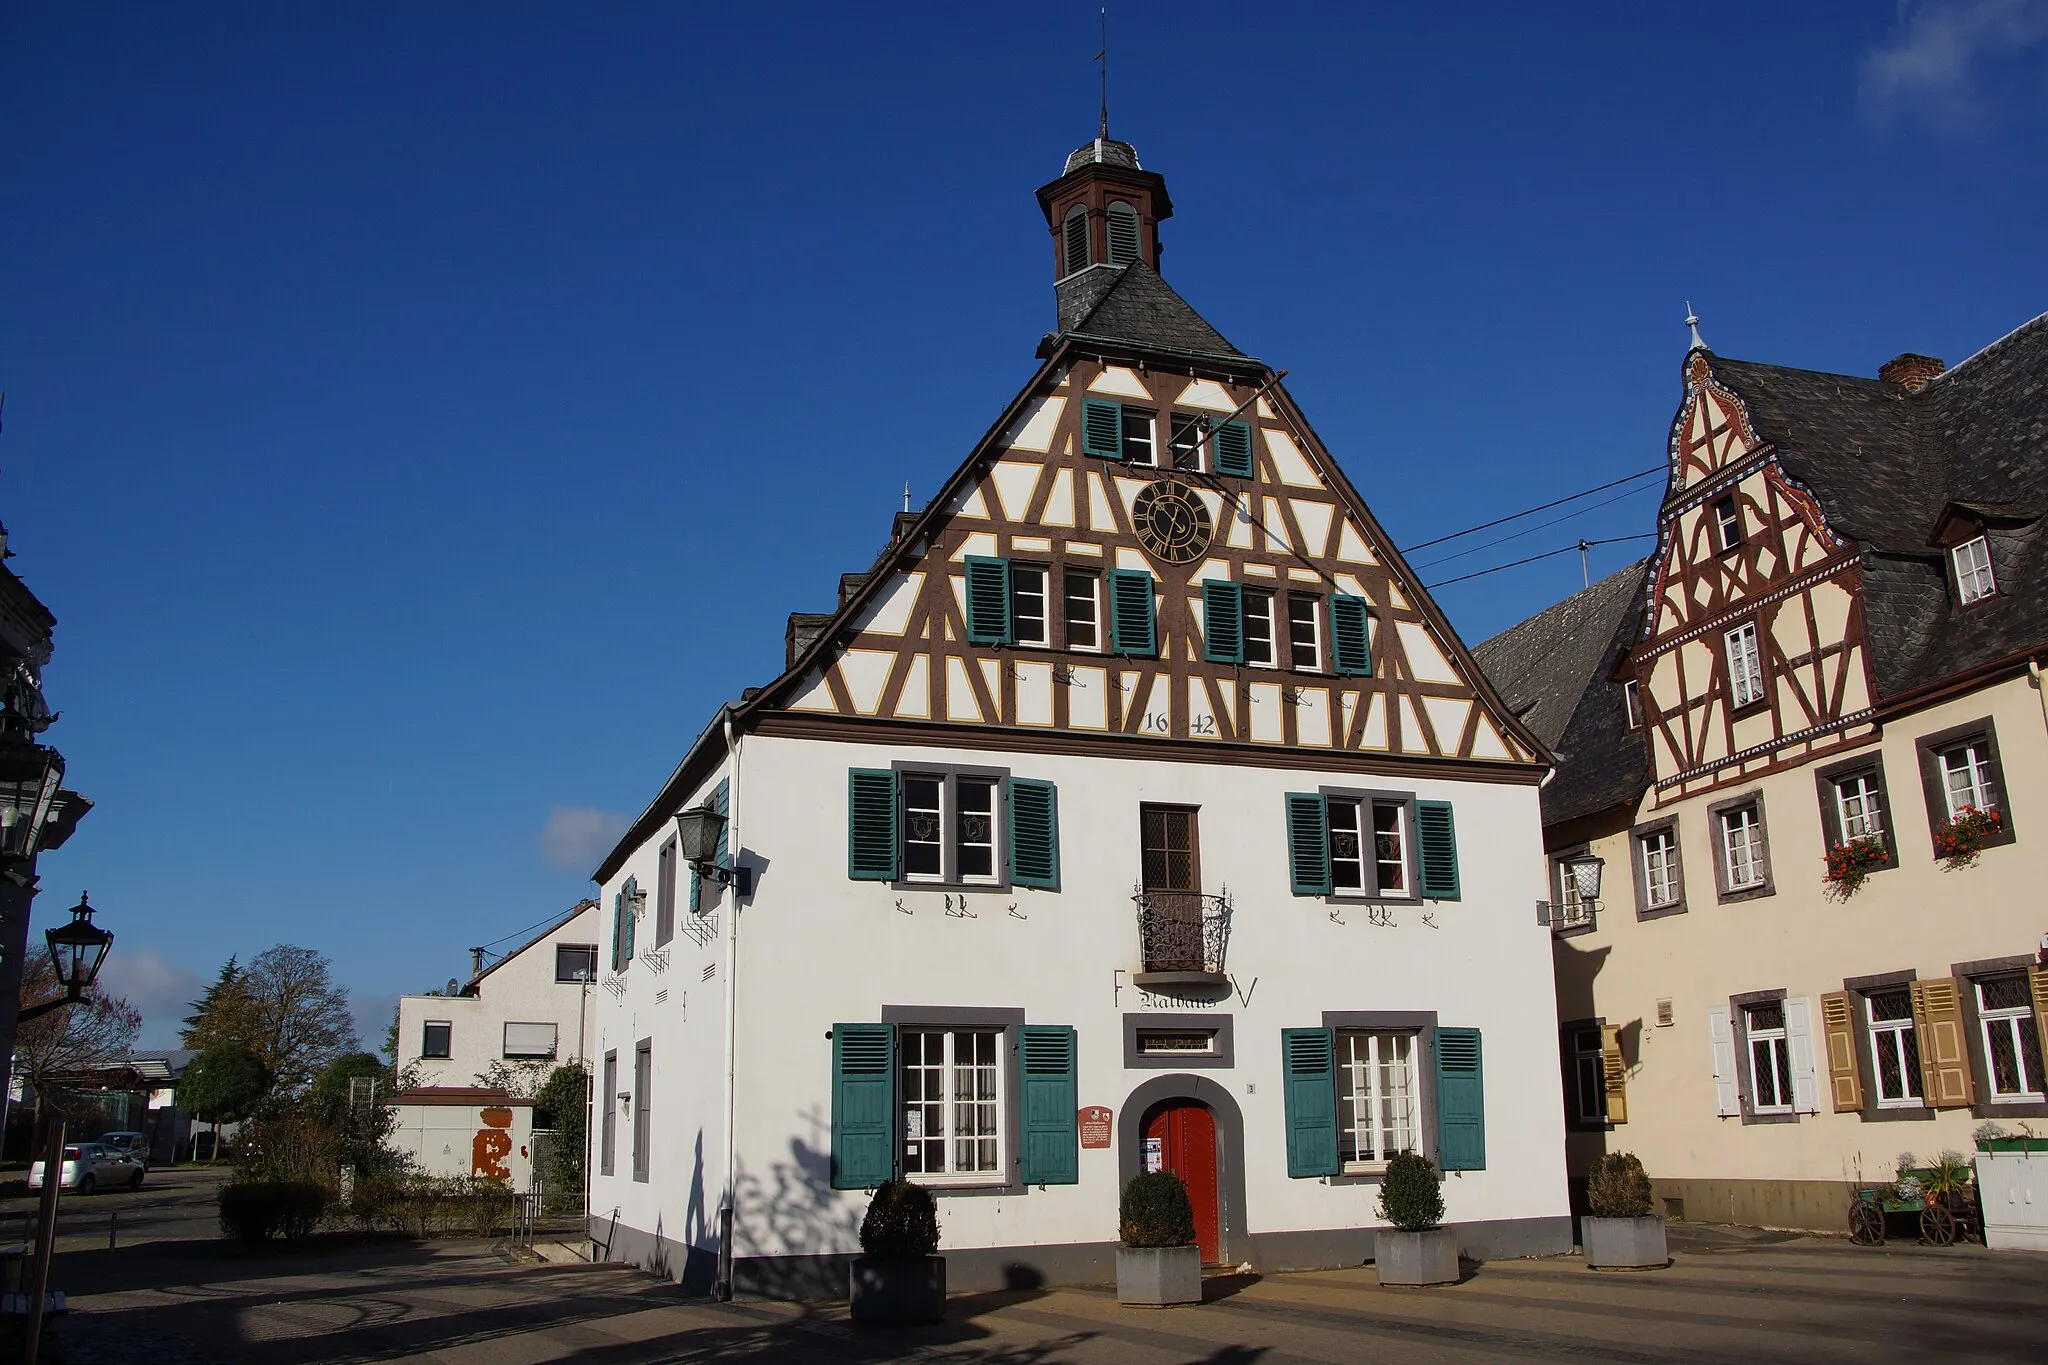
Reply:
x=1156, y=1277
x=1625, y=1243
x=898, y=1291
x=1427, y=1257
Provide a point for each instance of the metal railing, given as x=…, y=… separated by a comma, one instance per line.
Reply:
x=1182, y=931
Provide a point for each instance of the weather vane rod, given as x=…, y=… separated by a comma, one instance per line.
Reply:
x=1102, y=59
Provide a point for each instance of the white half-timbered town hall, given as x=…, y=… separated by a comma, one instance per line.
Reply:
x=1136, y=808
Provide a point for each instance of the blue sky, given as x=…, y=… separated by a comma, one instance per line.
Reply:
x=420, y=417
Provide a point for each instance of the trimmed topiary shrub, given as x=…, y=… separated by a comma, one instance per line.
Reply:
x=1618, y=1187
x=902, y=1222
x=1411, y=1193
x=258, y=1210
x=1155, y=1212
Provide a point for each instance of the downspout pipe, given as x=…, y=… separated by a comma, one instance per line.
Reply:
x=2034, y=676
x=727, y=1210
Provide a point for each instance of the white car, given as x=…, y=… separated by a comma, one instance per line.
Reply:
x=134, y=1144
x=90, y=1165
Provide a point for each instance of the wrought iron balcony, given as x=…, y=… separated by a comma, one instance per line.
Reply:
x=1182, y=936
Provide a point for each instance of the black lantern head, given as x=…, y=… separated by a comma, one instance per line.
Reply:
x=29, y=777
x=697, y=832
x=77, y=949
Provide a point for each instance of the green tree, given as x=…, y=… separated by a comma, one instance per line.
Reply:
x=225, y=1013
x=302, y=1020
x=67, y=1046
x=563, y=1104
x=224, y=1084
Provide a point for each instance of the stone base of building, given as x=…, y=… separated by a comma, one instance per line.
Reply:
x=979, y=1270
x=1795, y=1205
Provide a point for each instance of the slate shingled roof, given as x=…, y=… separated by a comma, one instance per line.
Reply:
x=1554, y=670
x=1133, y=304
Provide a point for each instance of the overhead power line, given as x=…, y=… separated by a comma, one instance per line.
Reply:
x=1531, y=511
x=1541, y=525
x=1548, y=554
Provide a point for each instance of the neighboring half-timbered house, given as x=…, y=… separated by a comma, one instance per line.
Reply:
x=1781, y=737
x=1135, y=807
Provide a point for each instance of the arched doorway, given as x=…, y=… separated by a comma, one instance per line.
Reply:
x=1180, y=1136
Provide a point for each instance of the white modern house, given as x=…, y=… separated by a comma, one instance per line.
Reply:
x=526, y=1012
x=1136, y=809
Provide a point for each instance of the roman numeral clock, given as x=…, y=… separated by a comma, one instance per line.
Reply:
x=1171, y=522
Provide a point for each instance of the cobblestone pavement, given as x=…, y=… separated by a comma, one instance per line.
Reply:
x=1727, y=1297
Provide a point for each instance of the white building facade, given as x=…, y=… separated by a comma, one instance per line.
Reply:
x=1136, y=810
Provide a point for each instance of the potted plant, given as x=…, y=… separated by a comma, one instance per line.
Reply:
x=1849, y=863
x=899, y=1277
x=1960, y=838
x=1622, y=1233
x=1418, y=1249
x=1157, y=1261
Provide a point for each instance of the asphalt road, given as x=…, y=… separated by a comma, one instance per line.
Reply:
x=174, y=1204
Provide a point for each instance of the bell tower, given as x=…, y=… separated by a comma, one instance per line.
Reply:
x=1103, y=213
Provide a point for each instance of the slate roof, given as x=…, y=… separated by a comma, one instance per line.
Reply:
x=1553, y=670
x=1134, y=305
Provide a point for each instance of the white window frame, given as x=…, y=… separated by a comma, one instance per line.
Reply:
x=1136, y=420
x=1859, y=806
x=1258, y=611
x=1352, y=809
x=2017, y=1022
x=1404, y=849
x=1979, y=787
x=1093, y=597
x=1897, y=1032
x=948, y=1108
x=1658, y=850
x=1361, y=1084
x=1197, y=446
x=1632, y=704
x=1778, y=1041
x=1975, y=579
x=1752, y=846
x=1019, y=575
x=1745, y=666
x=949, y=840
x=1727, y=513
x=1315, y=625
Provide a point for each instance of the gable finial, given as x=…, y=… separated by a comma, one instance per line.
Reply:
x=1102, y=60
x=1692, y=320
x=906, y=495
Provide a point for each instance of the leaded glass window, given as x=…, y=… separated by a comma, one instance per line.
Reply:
x=1894, y=1047
x=1770, y=1059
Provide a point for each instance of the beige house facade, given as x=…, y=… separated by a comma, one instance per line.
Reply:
x=1805, y=745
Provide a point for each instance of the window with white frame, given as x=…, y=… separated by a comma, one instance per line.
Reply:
x=1659, y=851
x=2012, y=1045
x=950, y=827
x=1894, y=1048
x=1742, y=847
x=1966, y=777
x=1368, y=846
x=1632, y=703
x=1083, y=603
x=1727, y=524
x=952, y=1085
x=1188, y=431
x=1974, y=579
x=1138, y=436
x=1858, y=806
x=1304, y=631
x=1745, y=666
x=1377, y=1116
x=1028, y=620
x=1770, y=1059
x=1390, y=846
x=1588, y=1063
x=1258, y=628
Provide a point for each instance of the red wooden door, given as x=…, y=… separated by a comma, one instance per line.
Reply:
x=1185, y=1134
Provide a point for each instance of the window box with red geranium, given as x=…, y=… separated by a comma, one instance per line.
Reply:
x=1960, y=838
x=1851, y=861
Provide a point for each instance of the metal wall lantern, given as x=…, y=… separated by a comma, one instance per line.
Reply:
x=1586, y=876
x=698, y=831
x=76, y=951
x=30, y=776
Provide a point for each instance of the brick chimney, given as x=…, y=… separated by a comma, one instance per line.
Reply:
x=1911, y=371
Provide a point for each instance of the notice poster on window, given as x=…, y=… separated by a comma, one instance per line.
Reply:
x=1094, y=1121
x=913, y=1124
x=1155, y=1154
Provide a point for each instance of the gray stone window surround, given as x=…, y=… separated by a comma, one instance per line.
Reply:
x=950, y=881
x=1824, y=780
x=1719, y=851
x=643, y=1141
x=1210, y=1092
x=1411, y=853
x=1222, y=1025
x=1422, y=1023
x=1928, y=749
x=968, y=1017
x=1559, y=860
x=1966, y=974
x=1858, y=988
x=1640, y=873
x=608, y=1116
x=1738, y=1026
x=1568, y=1056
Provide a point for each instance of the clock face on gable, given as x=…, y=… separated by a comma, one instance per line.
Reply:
x=1172, y=523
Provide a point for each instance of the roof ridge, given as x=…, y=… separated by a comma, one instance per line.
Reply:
x=1983, y=351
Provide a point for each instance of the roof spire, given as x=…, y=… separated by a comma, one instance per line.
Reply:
x=1102, y=59
x=1692, y=321
x=906, y=495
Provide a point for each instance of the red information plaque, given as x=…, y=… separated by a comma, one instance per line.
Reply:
x=1094, y=1122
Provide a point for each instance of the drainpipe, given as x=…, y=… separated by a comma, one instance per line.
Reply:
x=2034, y=675
x=727, y=1211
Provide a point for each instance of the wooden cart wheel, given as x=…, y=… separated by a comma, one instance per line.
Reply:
x=1937, y=1225
x=1866, y=1226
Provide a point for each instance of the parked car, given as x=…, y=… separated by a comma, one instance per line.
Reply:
x=134, y=1144
x=90, y=1165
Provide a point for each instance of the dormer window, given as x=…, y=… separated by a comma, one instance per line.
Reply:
x=1123, y=233
x=1074, y=239
x=1974, y=579
x=1632, y=703
x=1727, y=524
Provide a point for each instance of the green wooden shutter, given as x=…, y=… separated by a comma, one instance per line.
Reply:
x=988, y=600
x=627, y=919
x=1132, y=625
x=1034, y=834
x=863, y=1105
x=1351, y=635
x=1460, y=1101
x=1308, y=1062
x=1308, y=844
x=1438, y=838
x=871, y=825
x=1102, y=429
x=618, y=928
x=1222, y=622
x=1052, y=1146
x=1232, y=445
x=696, y=891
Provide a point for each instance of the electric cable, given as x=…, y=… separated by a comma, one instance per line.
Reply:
x=1547, y=554
x=1531, y=511
x=1541, y=525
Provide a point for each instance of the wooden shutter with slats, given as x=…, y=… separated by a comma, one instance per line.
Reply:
x=1232, y=445
x=1460, y=1101
x=1351, y=635
x=1721, y=1037
x=1034, y=834
x=1102, y=429
x=1308, y=1065
x=1437, y=837
x=1308, y=844
x=1614, y=1073
x=1052, y=1148
x=1132, y=626
x=988, y=600
x=1799, y=1043
x=1845, y=1078
x=871, y=825
x=1944, y=1051
x=863, y=1105
x=1222, y=622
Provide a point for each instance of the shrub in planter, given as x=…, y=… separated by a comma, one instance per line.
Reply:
x=258, y=1210
x=1417, y=1249
x=1157, y=1261
x=899, y=1278
x=1622, y=1233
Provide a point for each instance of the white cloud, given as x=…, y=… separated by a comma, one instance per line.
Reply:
x=1938, y=64
x=160, y=989
x=576, y=837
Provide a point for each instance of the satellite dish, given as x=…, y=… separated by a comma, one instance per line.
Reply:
x=454, y=986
